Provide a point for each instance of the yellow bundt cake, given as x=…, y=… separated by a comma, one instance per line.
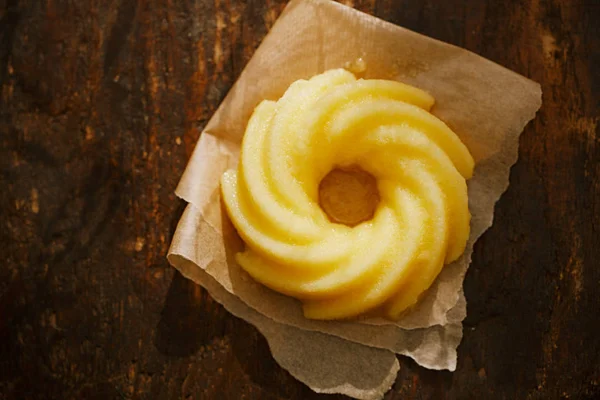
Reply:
x=335, y=122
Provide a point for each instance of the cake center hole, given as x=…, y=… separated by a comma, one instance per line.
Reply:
x=349, y=195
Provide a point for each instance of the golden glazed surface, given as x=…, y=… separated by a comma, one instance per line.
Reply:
x=335, y=121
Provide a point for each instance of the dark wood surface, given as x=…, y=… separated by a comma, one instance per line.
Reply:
x=101, y=104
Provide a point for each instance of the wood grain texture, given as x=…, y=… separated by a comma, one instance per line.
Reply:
x=101, y=104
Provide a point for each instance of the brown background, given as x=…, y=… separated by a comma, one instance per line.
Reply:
x=101, y=104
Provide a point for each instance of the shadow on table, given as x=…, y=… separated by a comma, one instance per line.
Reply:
x=190, y=319
x=252, y=352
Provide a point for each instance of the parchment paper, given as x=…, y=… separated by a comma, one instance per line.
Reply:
x=484, y=103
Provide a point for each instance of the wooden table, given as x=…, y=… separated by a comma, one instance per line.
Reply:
x=101, y=104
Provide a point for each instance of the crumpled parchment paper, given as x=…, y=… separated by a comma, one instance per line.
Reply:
x=484, y=103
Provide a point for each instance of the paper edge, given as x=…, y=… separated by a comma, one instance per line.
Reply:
x=346, y=388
